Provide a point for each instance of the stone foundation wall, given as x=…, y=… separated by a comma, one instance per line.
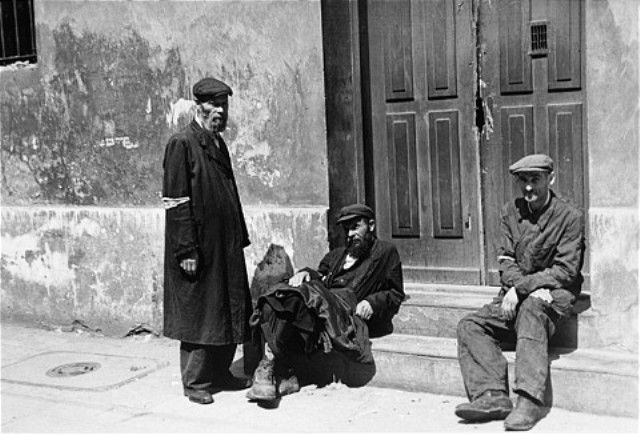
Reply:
x=104, y=266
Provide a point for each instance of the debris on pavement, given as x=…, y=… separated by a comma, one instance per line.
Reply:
x=142, y=329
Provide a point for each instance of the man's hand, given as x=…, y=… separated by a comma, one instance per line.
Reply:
x=509, y=303
x=542, y=293
x=364, y=310
x=189, y=265
x=299, y=278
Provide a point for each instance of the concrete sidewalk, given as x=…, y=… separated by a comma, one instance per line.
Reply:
x=137, y=388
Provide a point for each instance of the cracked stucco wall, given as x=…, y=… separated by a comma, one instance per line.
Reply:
x=104, y=266
x=83, y=135
x=613, y=125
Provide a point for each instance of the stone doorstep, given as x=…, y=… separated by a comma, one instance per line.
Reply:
x=461, y=296
x=435, y=309
x=584, y=380
x=480, y=290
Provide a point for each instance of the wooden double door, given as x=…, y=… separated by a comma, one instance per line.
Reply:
x=455, y=92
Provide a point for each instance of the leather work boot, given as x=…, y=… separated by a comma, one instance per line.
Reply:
x=527, y=413
x=264, y=383
x=491, y=405
x=288, y=385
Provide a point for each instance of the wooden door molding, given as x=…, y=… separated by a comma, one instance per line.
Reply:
x=421, y=59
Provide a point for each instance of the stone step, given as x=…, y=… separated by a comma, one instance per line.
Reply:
x=582, y=380
x=435, y=309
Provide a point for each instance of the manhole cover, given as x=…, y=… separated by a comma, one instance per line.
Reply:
x=73, y=369
x=79, y=371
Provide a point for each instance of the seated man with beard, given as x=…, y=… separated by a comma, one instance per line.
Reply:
x=317, y=326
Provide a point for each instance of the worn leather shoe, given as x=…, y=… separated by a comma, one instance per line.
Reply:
x=264, y=384
x=527, y=413
x=491, y=405
x=199, y=396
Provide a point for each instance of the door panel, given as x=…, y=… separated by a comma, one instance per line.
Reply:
x=564, y=47
x=425, y=157
x=518, y=141
x=532, y=68
x=398, y=51
x=515, y=64
x=565, y=148
x=441, y=50
x=445, y=174
x=403, y=182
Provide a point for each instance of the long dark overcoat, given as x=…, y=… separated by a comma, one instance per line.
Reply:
x=204, y=216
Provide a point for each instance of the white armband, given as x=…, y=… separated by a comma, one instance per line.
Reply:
x=174, y=202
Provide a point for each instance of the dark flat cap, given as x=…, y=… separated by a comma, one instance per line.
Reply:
x=533, y=162
x=209, y=88
x=353, y=211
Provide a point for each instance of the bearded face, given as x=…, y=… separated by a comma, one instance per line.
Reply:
x=360, y=238
x=214, y=114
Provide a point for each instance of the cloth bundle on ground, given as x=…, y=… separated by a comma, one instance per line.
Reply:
x=323, y=319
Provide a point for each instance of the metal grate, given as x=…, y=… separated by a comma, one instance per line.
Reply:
x=539, y=45
x=17, y=31
x=73, y=369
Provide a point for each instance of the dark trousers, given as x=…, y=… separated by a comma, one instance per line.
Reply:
x=482, y=363
x=204, y=366
x=290, y=351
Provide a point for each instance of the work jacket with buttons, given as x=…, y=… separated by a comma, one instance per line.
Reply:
x=542, y=249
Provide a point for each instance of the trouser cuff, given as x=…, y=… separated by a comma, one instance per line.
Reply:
x=534, y=393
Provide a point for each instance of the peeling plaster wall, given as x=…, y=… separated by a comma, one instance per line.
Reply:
x=83, y=134
x=88, y=125
x=613, y=126
x=104, y=266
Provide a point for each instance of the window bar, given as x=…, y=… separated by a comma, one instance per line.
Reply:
x=32, y=26
x=17, y=27
x=2, y=48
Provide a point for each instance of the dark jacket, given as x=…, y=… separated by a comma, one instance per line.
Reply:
x=323, y=317
x=377, y=278
x=204, y=218
x=543, y=249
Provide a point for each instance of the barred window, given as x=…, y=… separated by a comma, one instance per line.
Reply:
x=17, y=31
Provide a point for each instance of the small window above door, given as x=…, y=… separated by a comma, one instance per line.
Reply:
x=539, y=44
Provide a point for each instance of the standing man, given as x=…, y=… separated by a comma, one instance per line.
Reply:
x=540, y=259
x=206, y=292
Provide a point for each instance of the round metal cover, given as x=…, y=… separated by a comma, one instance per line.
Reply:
x=73, y=369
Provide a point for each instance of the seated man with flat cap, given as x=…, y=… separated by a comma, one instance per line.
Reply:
x=207, y=304
x=540, y=258
x=318, y=324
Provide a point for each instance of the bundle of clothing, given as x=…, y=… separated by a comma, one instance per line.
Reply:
x=321, y=318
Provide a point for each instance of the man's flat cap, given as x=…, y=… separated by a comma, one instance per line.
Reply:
x=353, y=211
x=209, y=88
x=533, y=162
